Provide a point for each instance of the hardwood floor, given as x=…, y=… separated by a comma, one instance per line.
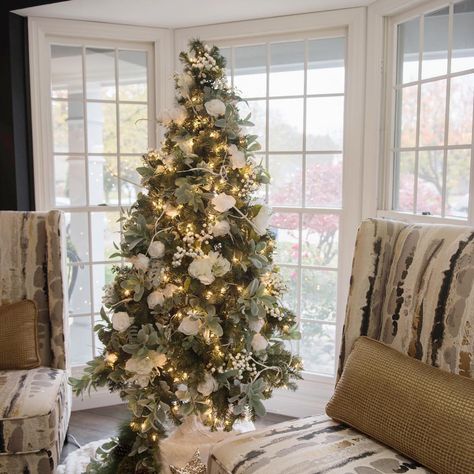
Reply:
x=99, y=423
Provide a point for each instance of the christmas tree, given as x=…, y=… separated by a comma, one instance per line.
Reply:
x=194, y=325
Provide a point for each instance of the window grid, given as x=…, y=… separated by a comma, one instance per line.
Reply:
x=398, y=87
x=91, y=263
x=302, y=210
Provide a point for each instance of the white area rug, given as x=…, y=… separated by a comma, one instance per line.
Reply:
x=77, y=461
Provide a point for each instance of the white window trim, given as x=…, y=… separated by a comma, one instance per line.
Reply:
x=315, y=390
x=378, y=166
x=40, y=31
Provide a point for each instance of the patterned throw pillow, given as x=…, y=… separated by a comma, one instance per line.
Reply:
x=422, y=412
x=19, y=336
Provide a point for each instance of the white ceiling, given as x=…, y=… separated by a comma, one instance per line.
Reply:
x=181, y=13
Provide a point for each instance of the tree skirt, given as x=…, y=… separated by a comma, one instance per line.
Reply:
x=77, y=461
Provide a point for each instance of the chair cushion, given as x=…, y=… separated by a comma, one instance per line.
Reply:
x=308, y=445
x=19, y=336
x=32, y=403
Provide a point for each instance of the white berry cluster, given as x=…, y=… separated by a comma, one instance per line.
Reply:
x=249, y=184
x=204, y=62
x=274, y=283
x=277, y=313
x=189, y=248
x=243, y=363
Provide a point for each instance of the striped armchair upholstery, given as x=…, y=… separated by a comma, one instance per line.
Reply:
x=35, y=404
x=411, y=288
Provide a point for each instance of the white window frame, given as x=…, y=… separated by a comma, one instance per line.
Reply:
x=382, y=17
x=42, y=33
x=314, y=390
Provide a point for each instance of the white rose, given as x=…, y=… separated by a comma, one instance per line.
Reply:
x=223, y=202
x=156, y=297
x=220, y=265
x=140, y=262
x=121, y=321
x=208, y=385
x=261, y=220
x=140, y=366
x=169, y=290
x=189, y=326
x=186, y=146
x=201, y=269
x=215, y=107
x=259, y=343
x=182, y=393
x=184, y=82
x=171, y=211
x=237, y=157
x=156, y=249
x=257, y=325
x=220, y=228
x=178, y=115
x=158, y=359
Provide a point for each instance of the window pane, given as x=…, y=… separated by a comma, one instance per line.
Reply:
x=435, y=44
x=460, y=110
x=326, y=66
x=100, y=73
x=101, y=127
x=103, y=181
x=69, y=181
x=320, y=241
x=80, y=349
x=79, y=289
x=324, y=123
x=324, y=180
x=290, y=277
x=77, y=229
x=433, y=107
x=463, y=36
x=66, y=72
x=106, y=232
x=405, y=175
x=132, y=75
x=227, y=53
x=286, y=185
x=318, y=347
x=258, y=111
x=133, y=128
x=430, y=181
x=68, y=126
x=101, y=275
x=318, y=298
x=286, y=227
x=286, y=125
x=287, y=68
x=129, y=179
x=408, y=51
x=407, y=99
x=250, y=73
x=457, y=182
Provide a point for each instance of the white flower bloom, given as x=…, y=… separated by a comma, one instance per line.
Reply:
x=156, y=249
x=189, y=326
x=184, y=82
x=215, y=107
x=186, y=146
x=261, y=220
x=201, y=269
x=155, y=298
x=139, y=365
x=237, y=157
x=121, y=321
x=171, y=211
x=177, y=115
x=169, y=290
x=141, y=380
x=259, y=343
x=220, y=228
x=158, y=359
x=223, y=202
x=182, y=393
x=208, y=385
x=257, y=325
x=168, y=160
x=140, y=262
x=220, y=265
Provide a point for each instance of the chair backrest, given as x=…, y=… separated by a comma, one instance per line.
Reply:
x=412, y=288
x=32, y=266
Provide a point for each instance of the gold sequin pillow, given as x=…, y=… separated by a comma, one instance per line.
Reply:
x=19, y=336
x=418, y=410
